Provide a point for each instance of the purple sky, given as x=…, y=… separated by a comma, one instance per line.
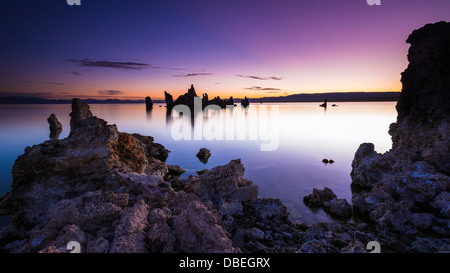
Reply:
x=131, y=49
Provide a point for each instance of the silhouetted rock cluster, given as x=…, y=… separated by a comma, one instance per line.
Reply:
x=245, y=102
x=216, y=101
x=188, y=100
x=185, y=99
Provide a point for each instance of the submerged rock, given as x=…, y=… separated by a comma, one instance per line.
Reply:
x=203, y=155
x=326, y=161
x=318, y=197
x=54, y=123
x=55, y=126
x=327, y=199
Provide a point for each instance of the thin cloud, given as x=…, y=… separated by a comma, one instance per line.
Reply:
x=75, y=73
x=176, y=68
x=192, y=75
x=110, y=92
x=259, y=88
x=24, y=94
x=109, y=64
x=168, y=68
x=260, y=78
x=42, y=82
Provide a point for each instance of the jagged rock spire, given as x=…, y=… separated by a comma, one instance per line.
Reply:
x=80, y=112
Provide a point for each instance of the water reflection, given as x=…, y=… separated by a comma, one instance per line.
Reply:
x=148, y=113
x=306, y=136
x=231, y=123
x=54, y=134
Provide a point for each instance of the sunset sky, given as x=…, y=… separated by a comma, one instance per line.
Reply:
x=130, y=49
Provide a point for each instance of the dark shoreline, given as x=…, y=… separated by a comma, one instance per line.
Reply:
x=316, y=97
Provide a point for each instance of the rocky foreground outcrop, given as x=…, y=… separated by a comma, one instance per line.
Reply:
x=327, y=199
x=112, y=192
x=407, y=189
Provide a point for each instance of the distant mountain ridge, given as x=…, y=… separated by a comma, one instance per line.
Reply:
x=38, y=100
x=316, y=97
x=333, y=97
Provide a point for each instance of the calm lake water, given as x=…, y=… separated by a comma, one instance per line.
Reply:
x=305, y=134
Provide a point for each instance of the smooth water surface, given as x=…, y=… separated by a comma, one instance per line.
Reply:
x=306, y=134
